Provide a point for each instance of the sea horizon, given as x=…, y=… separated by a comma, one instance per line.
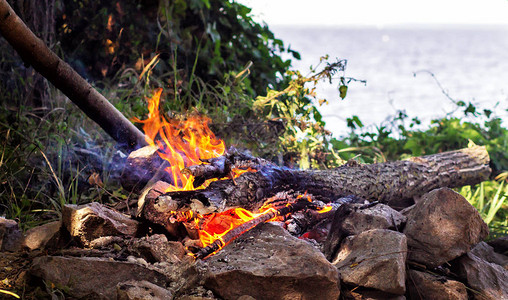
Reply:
x=469, y=62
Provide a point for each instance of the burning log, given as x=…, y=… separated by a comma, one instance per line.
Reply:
x=383, y=182
x=270, y=214
x=390, y=182
x=224, y=166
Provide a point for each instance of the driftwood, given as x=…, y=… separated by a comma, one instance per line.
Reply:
x=390, y=182
x=34, y=52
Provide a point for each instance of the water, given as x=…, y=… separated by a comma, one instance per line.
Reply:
x=470, y=63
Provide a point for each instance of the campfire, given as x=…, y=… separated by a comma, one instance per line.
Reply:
x=192, y=150
x=195, y=158
x=213, y=223
x=182, y=143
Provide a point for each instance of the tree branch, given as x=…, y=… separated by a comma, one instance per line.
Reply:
x=34, y=52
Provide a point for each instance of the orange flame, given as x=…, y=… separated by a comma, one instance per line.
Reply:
x=181, y=143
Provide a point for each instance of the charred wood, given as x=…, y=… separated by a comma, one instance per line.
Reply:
x=218, y=244
x=141, y=166
x=387, y=183
x=221, y=167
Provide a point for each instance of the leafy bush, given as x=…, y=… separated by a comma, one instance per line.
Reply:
x=206, y=39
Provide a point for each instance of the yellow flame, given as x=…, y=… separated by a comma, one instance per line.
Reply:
x=182, y=143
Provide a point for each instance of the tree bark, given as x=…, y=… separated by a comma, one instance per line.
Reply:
x=390, y=182
x=33, y=51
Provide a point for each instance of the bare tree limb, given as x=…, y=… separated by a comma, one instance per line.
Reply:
x=34, y=52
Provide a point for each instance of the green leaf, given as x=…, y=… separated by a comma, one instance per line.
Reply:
x=471, y=109
x=354, y=122
x=342, y=91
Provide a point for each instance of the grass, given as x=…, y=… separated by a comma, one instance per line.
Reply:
x=490, y=199
x=42, y=161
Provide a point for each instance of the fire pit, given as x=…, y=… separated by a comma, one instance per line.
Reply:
x=217, y=224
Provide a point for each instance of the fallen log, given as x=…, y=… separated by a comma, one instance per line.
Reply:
x=389, y=182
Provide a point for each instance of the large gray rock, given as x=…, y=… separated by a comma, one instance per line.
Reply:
x=40, y=236
x=375, y=259
x=423, y=285
x=352, y=219
x=269, y=263
x=141, y=290
x=487, y=253
x=441, y=227
x=91, y=277
x=488, y=280
x=94, y=220
x=11, y=238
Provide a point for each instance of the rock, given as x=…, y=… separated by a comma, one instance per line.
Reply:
x=500, y=244
x=91, y=277
x=184, y=276
x=186, y=297
x=11, y=238
x=198, y=293
x=441, y=227
x=487, y=253
x=157, y=248
x=488, y=280
x=40, y=236
x=141, y=290
x=94, y=220
x=375, y=259
x=105, y=241
x=423, y=285
x=352, y=219
x=405, y=211
x=269, y=263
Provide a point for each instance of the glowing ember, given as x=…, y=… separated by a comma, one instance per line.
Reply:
x=182, y=143
x=213, y=227
x=325, y=209
x=217, y=225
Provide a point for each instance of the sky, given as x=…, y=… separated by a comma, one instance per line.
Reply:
x=378, y=12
